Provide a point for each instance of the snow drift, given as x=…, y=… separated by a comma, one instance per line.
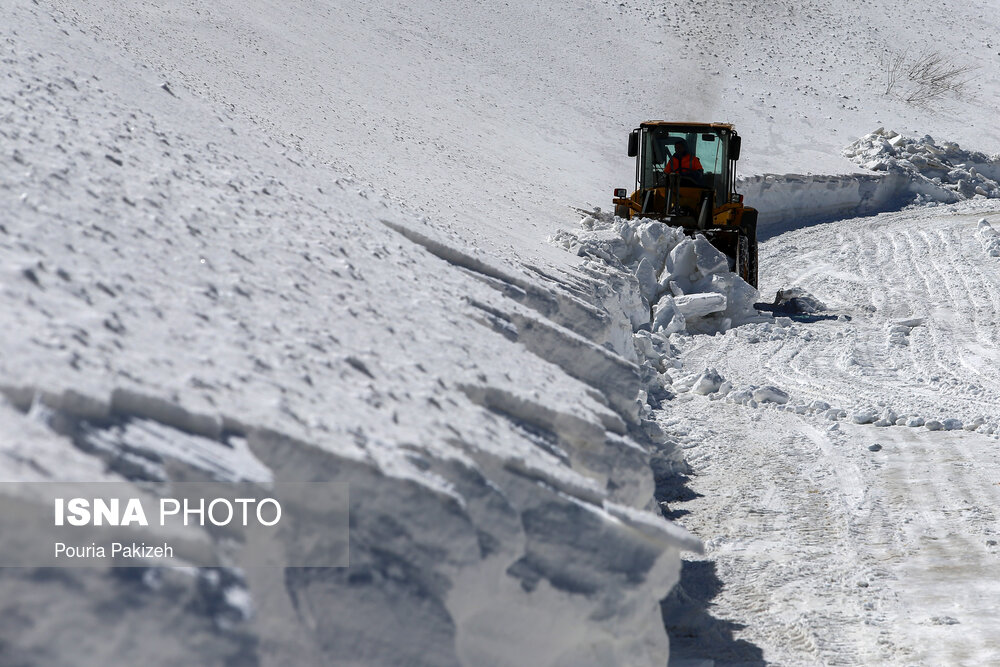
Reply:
x=900, y=171
x=685, y=284
x=989, y=237
x=933, y=171
x=182, y=298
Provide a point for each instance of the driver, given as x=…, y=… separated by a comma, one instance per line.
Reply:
x=684, y=163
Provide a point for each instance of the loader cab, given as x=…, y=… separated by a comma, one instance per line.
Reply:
x=715, y=145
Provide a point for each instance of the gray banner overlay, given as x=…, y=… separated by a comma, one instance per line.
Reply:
x=121, y=524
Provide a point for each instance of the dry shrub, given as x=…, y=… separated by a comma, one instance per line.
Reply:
x=924, y=77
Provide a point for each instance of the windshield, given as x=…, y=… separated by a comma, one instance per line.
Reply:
x=659, y=144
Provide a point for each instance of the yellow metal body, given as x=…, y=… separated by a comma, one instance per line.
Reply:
x=729, y=214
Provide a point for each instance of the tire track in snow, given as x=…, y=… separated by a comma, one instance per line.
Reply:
x=942, y=488
x=788, y=520
x=955, y=339
x=904, y=247
x=904, y=266
x=985, y=341
x=832, y=552
x=930, y=354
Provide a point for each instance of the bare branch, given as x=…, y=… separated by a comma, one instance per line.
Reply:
x=925, y=77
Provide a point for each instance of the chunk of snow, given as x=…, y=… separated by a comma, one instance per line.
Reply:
x=708, y=382
x=667, y=317
x=864, y=416
x=989, y=237
x=687, y=282
x=699, y=305
x=645, y=273
x=770, y=394
x=952, y=424
x=945, y=172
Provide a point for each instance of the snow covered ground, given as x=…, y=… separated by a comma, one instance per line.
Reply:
x=911, y=304
x=328, y=240
x=849, y=540
x=494, y=119
x=182, y=294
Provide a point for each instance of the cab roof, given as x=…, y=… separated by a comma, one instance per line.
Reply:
x=726, y=127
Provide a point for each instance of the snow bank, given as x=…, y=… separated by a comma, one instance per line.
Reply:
x=686, y=284
x=181, y=296
x=788, y=201
x=675, y=285
x=906, y=170
x=934, y=171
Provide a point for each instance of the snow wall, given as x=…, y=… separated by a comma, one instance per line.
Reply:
x=790, y=200
x=900, y=171
x=182, y=299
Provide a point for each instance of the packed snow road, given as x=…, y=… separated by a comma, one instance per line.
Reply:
x=837, y=541
x=922, y=295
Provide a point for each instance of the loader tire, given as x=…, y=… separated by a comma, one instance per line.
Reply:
x=622, y=211
x=746, y=257
x=743, y=256
x=748, y=243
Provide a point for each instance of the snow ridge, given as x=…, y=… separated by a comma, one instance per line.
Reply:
x=685, y=284
x=900, y=171
x=206, y=302
x=935, y=171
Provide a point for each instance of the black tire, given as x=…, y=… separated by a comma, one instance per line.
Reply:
x=748, y=231
x=622, y=211
x=743, y=259
x=746, y=257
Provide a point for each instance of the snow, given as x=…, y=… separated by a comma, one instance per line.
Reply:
x=260, y=242
x=912, y=367
x=686, y=283
x=178, y=288
x=937, y=172
x=989, y=237
x=708, y=382
x=896, y=170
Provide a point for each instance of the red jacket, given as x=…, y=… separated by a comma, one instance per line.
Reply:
x=683, y=165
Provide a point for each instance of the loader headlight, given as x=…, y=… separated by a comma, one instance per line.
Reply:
x=621, y=192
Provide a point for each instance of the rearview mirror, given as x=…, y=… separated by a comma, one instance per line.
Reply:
x=734, y=147
x=633, y=143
